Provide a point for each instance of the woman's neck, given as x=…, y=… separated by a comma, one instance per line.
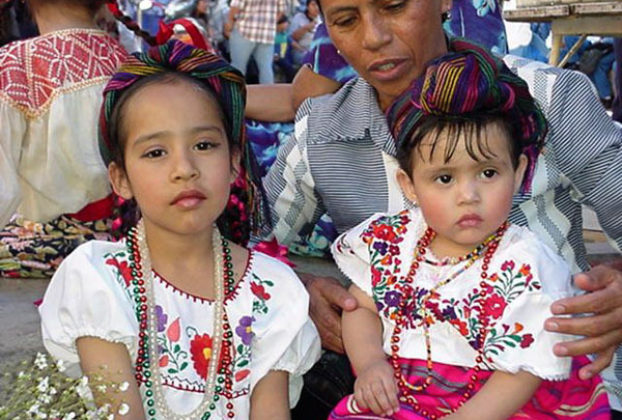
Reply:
x=52, y=17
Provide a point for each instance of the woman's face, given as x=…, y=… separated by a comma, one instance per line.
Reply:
x=312, y=9
x=387, y=42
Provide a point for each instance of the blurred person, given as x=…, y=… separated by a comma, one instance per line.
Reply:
x=302, y=30
x=251, y=27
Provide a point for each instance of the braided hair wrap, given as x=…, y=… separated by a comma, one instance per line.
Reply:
x=227, y=86
x=468, y=82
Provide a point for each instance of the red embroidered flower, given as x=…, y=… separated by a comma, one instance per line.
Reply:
x=241, y=375
x=376, y=276
x=384, y=232
x=526, y=341
x=259, y=291
x=525, y=270
x=495, y=305
x=508, y=265
x=201, y=352
x=124, y=269
x=173, y=331
x=462, y=326
x=163, y=361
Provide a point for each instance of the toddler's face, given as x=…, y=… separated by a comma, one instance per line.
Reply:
x=464, y=200
x=177, y=160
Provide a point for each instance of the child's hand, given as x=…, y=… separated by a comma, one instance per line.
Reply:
x=375, y=388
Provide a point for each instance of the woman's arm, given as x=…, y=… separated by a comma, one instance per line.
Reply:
x=375, y=387
x=301, y=31
x=111, y=362
x=308, y=84
x=273, y=103
x=502, y=395
x=270, y=399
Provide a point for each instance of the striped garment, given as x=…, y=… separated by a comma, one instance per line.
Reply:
x=341, y=161
x=257, y=19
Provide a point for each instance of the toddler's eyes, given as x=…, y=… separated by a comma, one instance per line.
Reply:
x=489, y=173
x=444, y=179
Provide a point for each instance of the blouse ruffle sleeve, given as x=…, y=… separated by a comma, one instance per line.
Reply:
x=352, y=255
x=85, y=298
x=284, y=338
x=530, y=278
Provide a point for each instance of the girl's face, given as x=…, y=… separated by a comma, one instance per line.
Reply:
x=388, y=42
x=312, y=9
x=177, y=159
x=463, y=200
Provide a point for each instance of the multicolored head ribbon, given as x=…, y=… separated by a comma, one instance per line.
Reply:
x=469, y=81
x=228, y=86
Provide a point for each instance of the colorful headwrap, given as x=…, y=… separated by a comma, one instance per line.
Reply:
x=227, y=85
x=465, y=82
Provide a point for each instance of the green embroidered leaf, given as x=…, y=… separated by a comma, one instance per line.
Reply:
x=172, y=371
x=243, y=363
x=268, y=283
x=240, y=348
x=183, y=366
x=176, y=348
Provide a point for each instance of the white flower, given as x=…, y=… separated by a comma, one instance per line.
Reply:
x=102, y=388
x=60, y=365
x=124, y=409
x=45, y=399
x=21, y=374
x=44, y=384
x=41, y=361
x=53, y=391
x=124, y=386
x=83, y=388
x=69, y=416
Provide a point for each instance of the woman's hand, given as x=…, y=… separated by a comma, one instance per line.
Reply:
x=375, y=389
x=328, y=298
x=602, y=328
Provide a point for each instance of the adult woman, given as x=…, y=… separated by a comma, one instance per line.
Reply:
x=342, y=162
x=50, y=92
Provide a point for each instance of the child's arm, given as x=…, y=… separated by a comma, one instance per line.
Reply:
x=502, y=395
x=112, y=362
x=375, y=387
x=270, y=399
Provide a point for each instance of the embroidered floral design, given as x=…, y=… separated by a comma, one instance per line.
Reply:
x=161, y=317
x=258, y=287
x=244, y=330
x=201, y=352
x=123, y=268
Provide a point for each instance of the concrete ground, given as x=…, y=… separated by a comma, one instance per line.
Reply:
x=20, y=336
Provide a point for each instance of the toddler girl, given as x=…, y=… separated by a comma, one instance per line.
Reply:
x=200, y=327
x=452, y=298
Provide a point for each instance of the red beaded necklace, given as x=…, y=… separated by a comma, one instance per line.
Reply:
x=490, y=246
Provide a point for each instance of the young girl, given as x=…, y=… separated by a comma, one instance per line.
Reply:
x=199, y=327
x=452, y=298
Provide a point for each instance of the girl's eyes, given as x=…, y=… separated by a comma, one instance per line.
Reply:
x=153, y=154
x=443, y=179
x=205, y=145
x=489, y=173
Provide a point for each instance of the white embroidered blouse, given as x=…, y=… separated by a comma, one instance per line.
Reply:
x=90, y=295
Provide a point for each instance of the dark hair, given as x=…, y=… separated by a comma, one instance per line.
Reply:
x=469, y=127
x=115, y=124
x=461, y=93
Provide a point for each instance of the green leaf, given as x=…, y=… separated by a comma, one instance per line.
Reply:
x=171, y=370
x=240, y=348
x=243, y=363
x=176, y=348
x=183, y=366
x=269, y=283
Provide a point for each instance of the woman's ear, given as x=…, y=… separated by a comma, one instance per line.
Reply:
x=407, y=185
x=519, y=173
x=120, y=182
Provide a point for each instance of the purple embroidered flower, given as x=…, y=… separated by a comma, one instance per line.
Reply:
x=161, y=317
x=379, y=306
x=392, y=298
x=381, y=247
x=244, y=330
x=449, y=313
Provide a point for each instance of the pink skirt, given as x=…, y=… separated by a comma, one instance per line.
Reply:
x=570, y=399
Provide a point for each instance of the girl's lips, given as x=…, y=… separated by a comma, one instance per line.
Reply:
x=188, y=199
x=469, y=220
